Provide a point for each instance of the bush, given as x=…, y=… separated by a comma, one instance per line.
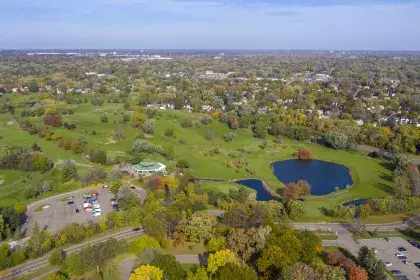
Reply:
x=97, y=156
x=228, y=137
x=52, y=120
x=304, y=154
x=169, y=132
x=186, y=123
x=149, y=126
x=337, y=140
x=104, y=119
x=183, y=163
x=210, y=135
x=205, y=120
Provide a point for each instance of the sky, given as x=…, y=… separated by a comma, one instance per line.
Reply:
x=210, y=24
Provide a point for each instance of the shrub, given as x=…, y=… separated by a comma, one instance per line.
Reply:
x=304, y=154
x=104, y=119
x=52, y=120
x=337, y=140
x=186, y=123
x=228, y=137
x=169, y=132
x=183, y=163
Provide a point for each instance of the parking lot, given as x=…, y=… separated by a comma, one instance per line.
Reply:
x=58, y=212
x=387, y=250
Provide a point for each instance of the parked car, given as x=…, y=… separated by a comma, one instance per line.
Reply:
x=402, y=249
x=399, y=254
x=407, y=262
x=96, y=214
x=387, y=239
x=136, y=229
x=388, y=264
x=375, y=251
x=402, y=258
x=77, y=210
x=417, y=264
x=412, y=242
x=395, y=272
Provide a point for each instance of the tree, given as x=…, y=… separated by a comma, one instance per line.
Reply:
x=149, y=126
x=312, y=245
x=414, y=178
x=52, y=120
x=147, y=272
x=183, y=163
x=115, y=187
x=172, y=270
x=220, y=259
x=375, y=268
x=156, y=228
x=35, y=147
x=46, y=187
x=197, y=273
x=137, y=120
x=357, y=273
x=337, y=140
x=69, y=172
x=234, y=271
x=104, y=119
x=247, y=242
x=186, y=123
x=118, y=134
x=145, y=241
x=216, y=244
x=228, y=137
x=295, y=208
x=57, y=276
x=299, y=271
x=272, y=260
x=210, y=135
x=97, y=156
x=260, y=130
x=143, y=146
x=304, y=154
x=56, y=257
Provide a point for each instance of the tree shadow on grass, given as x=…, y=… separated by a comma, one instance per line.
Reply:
x=386, y=188
x=388, y=165
x=386, y=177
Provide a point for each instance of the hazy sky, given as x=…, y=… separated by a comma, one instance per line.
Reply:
x=209, y=24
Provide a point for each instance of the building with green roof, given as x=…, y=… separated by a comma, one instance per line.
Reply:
x=148, y=167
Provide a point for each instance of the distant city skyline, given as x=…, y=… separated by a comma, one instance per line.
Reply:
x=211, y=24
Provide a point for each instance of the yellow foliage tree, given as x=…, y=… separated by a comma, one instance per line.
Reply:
x=147, y=272
x=220, y=259
x=51, y=111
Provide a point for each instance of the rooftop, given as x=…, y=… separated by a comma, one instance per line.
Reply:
x=147, y=165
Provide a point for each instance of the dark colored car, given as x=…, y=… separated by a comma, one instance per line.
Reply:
x=417, y=264
x=77, y=210
x=402, y=258
x=402, y=249
x=395, y=272
x=70, y=202
x=412, y=242
x=387, y=239
x=136, y=229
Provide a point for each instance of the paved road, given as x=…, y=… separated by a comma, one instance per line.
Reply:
x=41, y=262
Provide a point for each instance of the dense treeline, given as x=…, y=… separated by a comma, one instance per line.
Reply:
x=24, y=159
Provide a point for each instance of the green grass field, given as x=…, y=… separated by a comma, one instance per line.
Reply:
x=371, y=178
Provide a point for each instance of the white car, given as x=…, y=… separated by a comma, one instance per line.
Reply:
x=97, y=210
x=46, y=206
x=399, y=254
x=388, y=264
x=96, y=214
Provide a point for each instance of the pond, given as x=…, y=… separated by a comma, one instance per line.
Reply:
x=323, y=176
x=262, y=193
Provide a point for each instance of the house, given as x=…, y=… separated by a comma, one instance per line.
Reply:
x=148, y=167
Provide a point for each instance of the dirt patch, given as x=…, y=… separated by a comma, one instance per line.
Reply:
x=148, y=136
x=10, y=123
x=1, y=182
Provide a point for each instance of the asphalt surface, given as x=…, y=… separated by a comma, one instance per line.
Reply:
x=33, y=265
x=60, y=214
x=387, y=250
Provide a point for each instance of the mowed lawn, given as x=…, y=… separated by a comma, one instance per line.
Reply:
x=371, y=178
